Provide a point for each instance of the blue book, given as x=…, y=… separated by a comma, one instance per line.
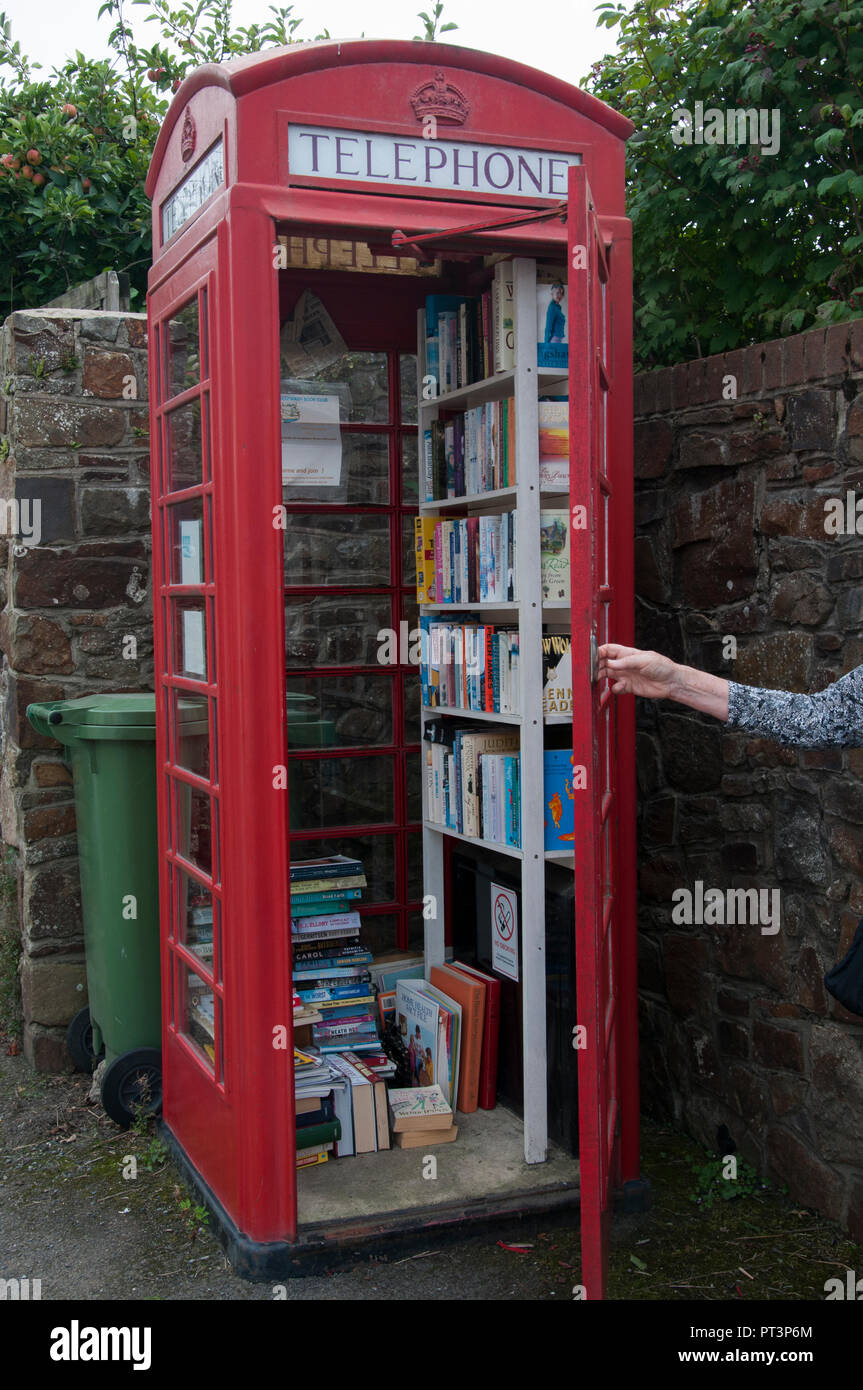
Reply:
x=441, y=304
x=558, y=799
x=318, y=909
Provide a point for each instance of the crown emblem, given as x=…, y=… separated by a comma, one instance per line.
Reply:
x=188, y=136
x=442, y=100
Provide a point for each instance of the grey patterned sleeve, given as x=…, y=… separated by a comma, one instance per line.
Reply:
x=833, y=718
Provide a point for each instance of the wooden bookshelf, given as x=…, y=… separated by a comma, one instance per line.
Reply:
x=524, y=383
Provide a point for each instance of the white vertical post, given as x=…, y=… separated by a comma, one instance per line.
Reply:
x=530, y=665
x=433, y=847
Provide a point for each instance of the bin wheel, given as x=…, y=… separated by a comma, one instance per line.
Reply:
x=79, y=1041
x=132, y=1085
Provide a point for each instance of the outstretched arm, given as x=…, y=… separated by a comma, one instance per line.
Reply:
x=829, y=719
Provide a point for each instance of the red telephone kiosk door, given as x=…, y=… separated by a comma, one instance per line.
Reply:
x=594, y=743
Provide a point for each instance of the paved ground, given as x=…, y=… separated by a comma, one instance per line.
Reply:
x=70, y=1218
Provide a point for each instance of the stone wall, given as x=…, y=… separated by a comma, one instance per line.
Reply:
x=74, y=439
x=731, y=544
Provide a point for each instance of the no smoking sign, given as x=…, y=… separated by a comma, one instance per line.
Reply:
x=504, y=932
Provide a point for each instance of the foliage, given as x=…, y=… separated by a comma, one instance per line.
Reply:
x=432, y=24
x=711, y=1184
x=735, y=245
x=75, y=149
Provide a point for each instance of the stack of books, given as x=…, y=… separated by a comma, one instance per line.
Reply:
x=319, y=1097
x=330, y=966
x=473, y=781
x=468, y=665
x=421, y=1117
x=470, y=559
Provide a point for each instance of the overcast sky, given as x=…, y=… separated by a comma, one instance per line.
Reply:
x=559, y=36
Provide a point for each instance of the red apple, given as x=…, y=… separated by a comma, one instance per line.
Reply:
x=151, y=73
x=175, y=85
x=26, y=172
x=69, y=110
x=38, y=179
x=34, y=157
x=86, y=185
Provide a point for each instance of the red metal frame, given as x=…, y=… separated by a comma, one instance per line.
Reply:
x=600, y=476
x=238, y=1130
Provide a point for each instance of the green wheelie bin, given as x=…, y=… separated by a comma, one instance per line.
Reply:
x=111, y=743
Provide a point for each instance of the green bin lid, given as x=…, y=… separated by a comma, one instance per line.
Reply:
x=138, y=708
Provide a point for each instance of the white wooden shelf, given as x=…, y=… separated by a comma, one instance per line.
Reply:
x=473, y=840
x=459, y=713
x=505, y=606
x=493, y=388
x=524, y=382
x=493, y=500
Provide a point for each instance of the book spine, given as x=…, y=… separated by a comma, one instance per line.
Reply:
x=428, y=466
x=301, y=873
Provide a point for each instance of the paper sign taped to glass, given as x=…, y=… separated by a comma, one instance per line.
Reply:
x=311, y=440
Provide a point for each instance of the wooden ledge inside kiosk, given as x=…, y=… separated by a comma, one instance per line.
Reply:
x=486, y=1163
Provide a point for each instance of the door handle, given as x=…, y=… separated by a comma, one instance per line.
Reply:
x=594, y=658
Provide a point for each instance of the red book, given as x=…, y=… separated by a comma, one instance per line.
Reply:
x=488, y=693
x=490, y=1034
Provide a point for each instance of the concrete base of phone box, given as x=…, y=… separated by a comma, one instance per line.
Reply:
x=354, y=1206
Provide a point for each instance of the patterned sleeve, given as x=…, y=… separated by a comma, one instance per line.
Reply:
x=831, y=719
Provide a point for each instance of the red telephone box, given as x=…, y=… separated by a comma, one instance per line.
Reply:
x=369, y=174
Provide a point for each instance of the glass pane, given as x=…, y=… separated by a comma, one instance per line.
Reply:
x=191, y=733
x=378, y=932
x=182, y=356
x=413, y=732
x=376, y=853
x=190, y=638
x=364, y=478
x=410, y=611
x=413, y=785
x=359, y=379
x=408, y=387
x=409, y=563
x=414, y=845
x=185, y=459
x=410, y=469
x=186, y=540
x=325, y=549
x=199, y=1020
x=337, y=631
x=416, y=932
x=350, y=711
x=341, y=791
x=195, y=917
x=194, y=827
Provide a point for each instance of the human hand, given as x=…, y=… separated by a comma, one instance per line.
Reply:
x=634, y=672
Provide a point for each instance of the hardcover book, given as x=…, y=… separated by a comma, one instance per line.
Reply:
x=557, y=673
x=419, y=1108
x=554, y=444
x=551, y=317
x=558, y=798
x=554, y=554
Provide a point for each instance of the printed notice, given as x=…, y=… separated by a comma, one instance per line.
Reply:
x=311, y=441
x=504, y=932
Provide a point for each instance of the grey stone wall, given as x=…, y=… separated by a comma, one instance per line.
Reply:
x=731, y=544
x=74, y=438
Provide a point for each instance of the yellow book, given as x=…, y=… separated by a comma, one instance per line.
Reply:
x=424, y=538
